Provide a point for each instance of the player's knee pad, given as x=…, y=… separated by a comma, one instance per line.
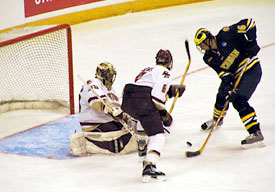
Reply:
x=241, y=104
x=220, y=101
x=155, y=145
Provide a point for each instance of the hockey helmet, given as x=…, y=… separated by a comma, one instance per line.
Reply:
x=201, y=36
x=164, y=57
x=106, y=73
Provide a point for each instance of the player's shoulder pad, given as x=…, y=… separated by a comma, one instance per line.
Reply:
x=225, y=29
x=94, y=83
x=244, y=25
x=161, y=69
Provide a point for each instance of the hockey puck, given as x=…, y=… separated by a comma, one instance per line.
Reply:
x=189, y=143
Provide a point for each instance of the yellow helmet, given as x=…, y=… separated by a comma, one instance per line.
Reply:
x=201, y=35
x=106, y=73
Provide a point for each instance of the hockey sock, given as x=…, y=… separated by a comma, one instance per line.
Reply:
x=249, y=119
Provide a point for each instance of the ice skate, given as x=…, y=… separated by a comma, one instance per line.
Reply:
x=254, y=139
x=150, y=174
x=210, y=124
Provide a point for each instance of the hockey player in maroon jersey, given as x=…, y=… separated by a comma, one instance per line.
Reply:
x=100, y=132
x=226, y=53
x=144, y=99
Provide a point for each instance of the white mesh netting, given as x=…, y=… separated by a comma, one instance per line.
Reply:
x=34, y=69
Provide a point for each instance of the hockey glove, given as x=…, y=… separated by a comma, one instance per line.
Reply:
x=224, y=89
x=173, y=89
x=227, y=78
x=231, y=96
x=110, y=109
x=166, y=118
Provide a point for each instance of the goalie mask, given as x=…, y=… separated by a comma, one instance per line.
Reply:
x=164, y=57
x=201, y=37
x=106, y=73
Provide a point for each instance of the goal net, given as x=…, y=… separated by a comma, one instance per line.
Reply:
x=36, y=68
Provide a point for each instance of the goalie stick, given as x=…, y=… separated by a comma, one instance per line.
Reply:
x=196, y=153
x=183, y=76
x=107, y=104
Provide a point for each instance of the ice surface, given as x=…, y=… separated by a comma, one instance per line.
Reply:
x=130, y=42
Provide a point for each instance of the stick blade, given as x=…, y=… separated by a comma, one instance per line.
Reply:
x=192, y=153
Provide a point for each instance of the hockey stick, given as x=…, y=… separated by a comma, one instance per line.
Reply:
x=196, y=153
x=124, y=124
x=183, y=76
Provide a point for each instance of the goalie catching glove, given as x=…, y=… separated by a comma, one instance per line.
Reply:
x=173, y=89
x=166, y=118
x=111, y=109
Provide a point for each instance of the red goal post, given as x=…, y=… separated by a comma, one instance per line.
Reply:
x=36, y=68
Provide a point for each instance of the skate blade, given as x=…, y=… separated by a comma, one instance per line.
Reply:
x=150, y=179
x=258, y=144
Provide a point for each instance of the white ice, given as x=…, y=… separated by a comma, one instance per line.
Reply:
x=130, y=42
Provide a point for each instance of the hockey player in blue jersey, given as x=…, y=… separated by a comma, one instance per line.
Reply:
x=227, y=53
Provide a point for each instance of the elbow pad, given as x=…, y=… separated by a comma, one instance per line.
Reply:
x=252, y=49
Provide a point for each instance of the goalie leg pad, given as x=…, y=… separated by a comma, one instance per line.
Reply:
x=105, y=136
x=94, y=149
x=130, y=146
x=78, y=144
x=124, y=144
x=115, y=142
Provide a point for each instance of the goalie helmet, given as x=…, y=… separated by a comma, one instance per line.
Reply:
x=106, y=73
x=201, y=36
x=164, y=57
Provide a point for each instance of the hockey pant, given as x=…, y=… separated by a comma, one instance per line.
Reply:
x=245, y=90
x=137, y=101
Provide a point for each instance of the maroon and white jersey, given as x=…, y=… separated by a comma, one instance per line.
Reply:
x=89, y=116
x=159, y=79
